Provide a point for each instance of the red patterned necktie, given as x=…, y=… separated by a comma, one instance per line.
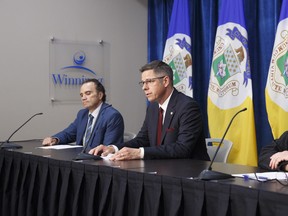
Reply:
x=159, y=126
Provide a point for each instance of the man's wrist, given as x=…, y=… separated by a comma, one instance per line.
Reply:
x=55, y=140
x=283, y=166
x=114, y=147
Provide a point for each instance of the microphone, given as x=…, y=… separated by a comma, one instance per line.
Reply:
x=86, y=156
x=83, y=155
x=7, y=145
x=209, y=174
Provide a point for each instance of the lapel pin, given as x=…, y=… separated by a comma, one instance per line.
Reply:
x=171, y=113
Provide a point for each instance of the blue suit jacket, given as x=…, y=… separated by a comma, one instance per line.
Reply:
x=108, y=128
x=182, y=133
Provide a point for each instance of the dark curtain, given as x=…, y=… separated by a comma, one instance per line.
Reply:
x=261, y=18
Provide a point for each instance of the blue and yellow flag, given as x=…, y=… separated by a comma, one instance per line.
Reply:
x=177, y=51
x=230, y=86
x=276, y=92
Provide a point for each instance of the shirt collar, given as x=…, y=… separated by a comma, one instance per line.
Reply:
x=166, y=102
x=96, y=111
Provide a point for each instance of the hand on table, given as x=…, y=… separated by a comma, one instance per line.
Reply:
x=126, y=154
x=49, y=141
x=277, y=158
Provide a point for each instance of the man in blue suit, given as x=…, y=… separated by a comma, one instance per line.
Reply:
x=181, y=130
x=106, y=123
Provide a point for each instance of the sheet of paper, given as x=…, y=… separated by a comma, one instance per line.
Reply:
x=263, y=176
x=57, y=147
x=60, y=147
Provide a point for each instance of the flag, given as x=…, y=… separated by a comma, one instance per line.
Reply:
x=230, y=86
x=177, y=52
x=276, y=91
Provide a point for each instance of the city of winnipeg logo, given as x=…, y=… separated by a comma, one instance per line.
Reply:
x=79, y=59
x=76, y=74
x=278, y=72
x=230, y=66
x=178, y=56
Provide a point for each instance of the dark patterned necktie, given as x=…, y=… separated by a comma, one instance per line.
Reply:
x=89, y=129
x=159, y=126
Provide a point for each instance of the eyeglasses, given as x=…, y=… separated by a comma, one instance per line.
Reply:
x=149, y=81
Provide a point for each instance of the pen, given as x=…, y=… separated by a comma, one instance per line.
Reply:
x=246, y=177
x=262, y=177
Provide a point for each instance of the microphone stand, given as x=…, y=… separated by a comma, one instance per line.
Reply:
x=86, y=156
x=7, y=144
x=209, y=174
x=83, y=155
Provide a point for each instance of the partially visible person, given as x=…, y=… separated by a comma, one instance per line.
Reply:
x=275, y=155
x=182, y=133
x=107, y=125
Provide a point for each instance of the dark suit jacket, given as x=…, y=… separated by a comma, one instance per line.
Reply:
x=182, y=134
x=267, y=151
x=108, y=128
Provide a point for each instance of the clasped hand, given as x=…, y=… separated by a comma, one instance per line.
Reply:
x=124, y=154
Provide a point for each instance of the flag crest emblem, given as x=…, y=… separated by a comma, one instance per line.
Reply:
x=277, y=79
x=179, y=58
x=230, y=66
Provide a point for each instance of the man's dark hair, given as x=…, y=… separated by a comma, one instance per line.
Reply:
x=159, y=67
x=99, y=87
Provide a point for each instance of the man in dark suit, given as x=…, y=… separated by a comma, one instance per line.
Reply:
x=182, y=133
x=106, y=125
x=275, y=155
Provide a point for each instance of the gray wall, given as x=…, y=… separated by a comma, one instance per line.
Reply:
x=26, y=27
